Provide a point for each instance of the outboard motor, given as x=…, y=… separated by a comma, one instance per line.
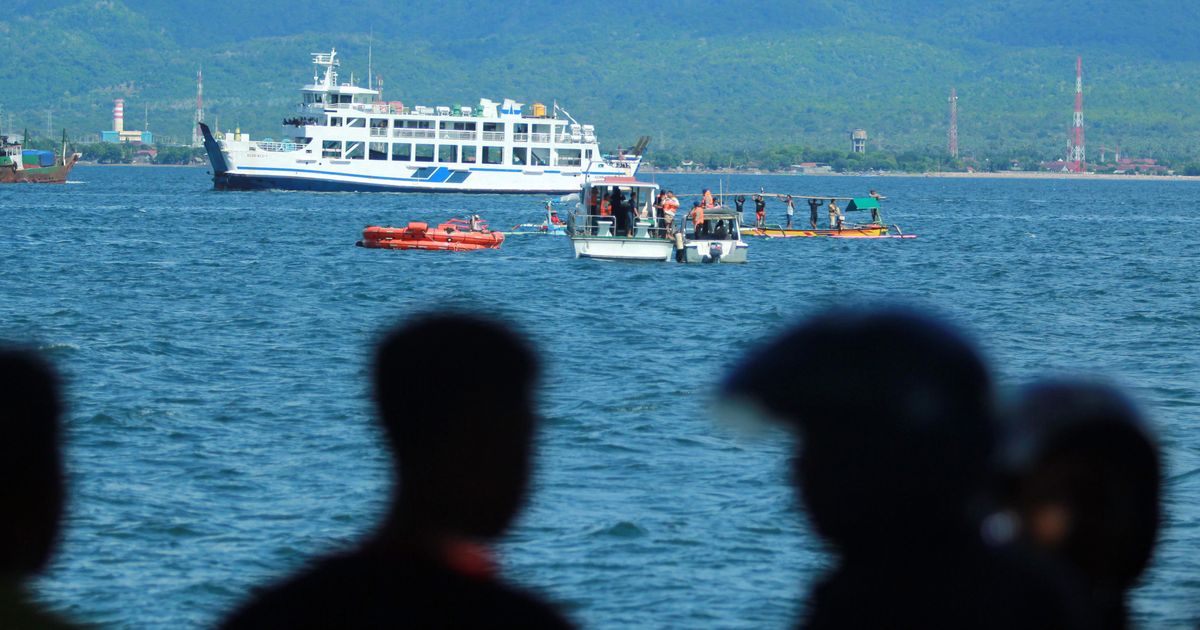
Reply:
x=714, y=253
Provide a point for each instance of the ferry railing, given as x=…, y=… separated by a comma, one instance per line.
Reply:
x=447, y=134
x=379, y=131
x=584, y=224
x=568, y=139
x=493, y=135
x=562, y=161
x=539, y=137
x=520, y=137
x=414, y=133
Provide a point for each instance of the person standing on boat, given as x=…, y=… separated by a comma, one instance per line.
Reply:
x=697, y=217
x=875, y=216
x=813, y=205
x=835, y=215
x=760, y=210
x=791, y=208
x=670, y=207
x=708, y=199
x=740, y=202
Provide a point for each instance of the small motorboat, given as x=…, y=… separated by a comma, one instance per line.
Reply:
x=456, y=235
x=717, y=240
x=552, y=226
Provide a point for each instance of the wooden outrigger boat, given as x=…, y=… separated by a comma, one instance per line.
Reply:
x=870, y=230
x=876, y=228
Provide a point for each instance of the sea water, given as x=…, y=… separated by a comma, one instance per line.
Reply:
x=216, y=348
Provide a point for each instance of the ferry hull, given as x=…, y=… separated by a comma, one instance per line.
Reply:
x=240, y=181
x=46, y=175
x=618, y=248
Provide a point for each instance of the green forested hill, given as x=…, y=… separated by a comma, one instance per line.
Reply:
x=697, y=75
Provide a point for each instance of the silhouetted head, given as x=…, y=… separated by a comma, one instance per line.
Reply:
x=1088, y=478
x=31, y=476
x=892, y=411
x=456, y=399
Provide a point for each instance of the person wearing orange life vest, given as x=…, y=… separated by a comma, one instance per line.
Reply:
x=708, y=199
x=697, y=218
x=670, y=207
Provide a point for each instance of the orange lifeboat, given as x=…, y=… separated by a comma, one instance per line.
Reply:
x=454, y=235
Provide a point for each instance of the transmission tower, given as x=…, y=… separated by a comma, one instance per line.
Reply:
x=197, y=137
x=953, y=123
x=1077, y=157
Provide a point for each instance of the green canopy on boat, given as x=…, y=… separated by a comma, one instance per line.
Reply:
x=862, y=203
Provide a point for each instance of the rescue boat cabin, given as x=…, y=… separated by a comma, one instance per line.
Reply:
x=620, y=207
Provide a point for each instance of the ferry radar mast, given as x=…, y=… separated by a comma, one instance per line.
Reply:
x=329, y=61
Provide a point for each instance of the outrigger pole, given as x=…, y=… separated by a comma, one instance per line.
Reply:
x=767, y=194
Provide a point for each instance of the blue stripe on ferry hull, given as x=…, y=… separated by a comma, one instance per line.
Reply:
x=230, y=181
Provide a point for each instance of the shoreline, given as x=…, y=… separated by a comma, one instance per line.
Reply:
x=931, y=175
x=944, y=175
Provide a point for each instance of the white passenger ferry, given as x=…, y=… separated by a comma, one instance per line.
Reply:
x=344, y=138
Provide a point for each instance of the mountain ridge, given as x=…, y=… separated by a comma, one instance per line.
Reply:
x=696, y=75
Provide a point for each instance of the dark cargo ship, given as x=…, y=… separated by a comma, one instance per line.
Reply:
x=21, y=165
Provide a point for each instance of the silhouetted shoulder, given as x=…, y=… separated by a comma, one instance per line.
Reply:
x=361, y=591
x=967, y=587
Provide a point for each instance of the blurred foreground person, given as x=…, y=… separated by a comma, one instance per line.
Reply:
x=891, y=466
x=31, y=484
x=455, y=398
x=1087, y=486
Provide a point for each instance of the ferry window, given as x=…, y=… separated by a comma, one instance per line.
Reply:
x=588, y=154
x=335, y=121
x=568, y=157
x=493, y=155
x=419, y=124
x=379, y=123
x=424, y=153
x=331, y=149
x=520, y=156
x=464, y=126
x=541, y=129
x=378, y=151
x=401, y=152
x=448, y=153
x=539, y=157
x=469, y=152
x=520, y=128
x=493, y=127
x=356, y=122
x=355, y=151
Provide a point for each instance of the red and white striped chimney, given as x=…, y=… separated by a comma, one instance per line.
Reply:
x=119, y=115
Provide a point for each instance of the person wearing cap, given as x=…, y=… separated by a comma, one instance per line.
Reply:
x=892, y=474
x=1085, y=485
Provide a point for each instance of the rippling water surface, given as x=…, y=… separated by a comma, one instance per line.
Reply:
x=216, y=347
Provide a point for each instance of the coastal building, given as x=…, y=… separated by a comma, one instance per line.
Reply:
x=858, y=141
x=119, y=134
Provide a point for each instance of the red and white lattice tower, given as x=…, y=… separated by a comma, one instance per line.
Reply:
x=197, y=137
x=953, y=123
x=119, y=115
x=1077, y=158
